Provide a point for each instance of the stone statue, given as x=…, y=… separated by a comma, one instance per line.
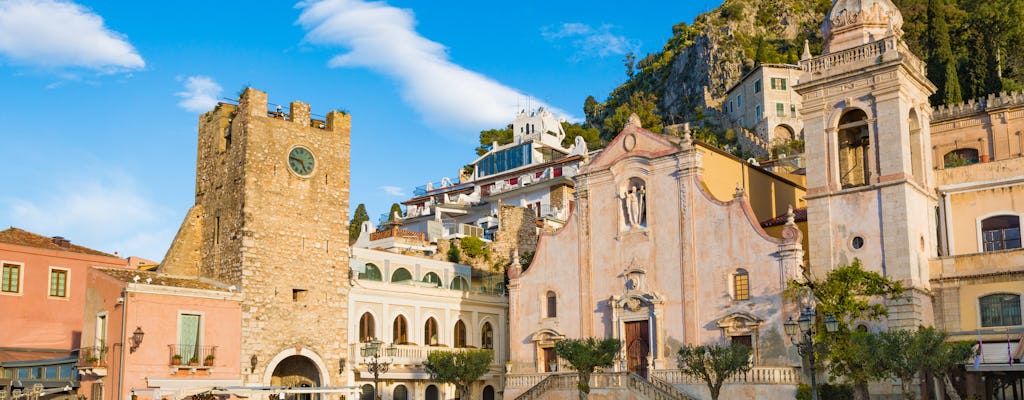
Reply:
x=634, y=200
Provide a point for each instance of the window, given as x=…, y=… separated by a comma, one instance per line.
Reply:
x=741, y=285
x=757, y=86
x=792, y=110
x=488, y=392
x=459, y=283
x=189, y=333
x=739, y=100
x=371, y=273
x=779, y=83
x=460, y=334
x=1000, y=233
x=1000, y=310
x=401, y=275
x=401, y=393
x=960, y=157
x=11, y=280
x=430, y=332
x=432, y=278
x=757, y=113
x=366, y=392
x=552, y=310
x=487, y=336
x=854, y=149
x=366, y=328
x=400, y=331
x=58, y=282
x=780, y=110
x=101, y=330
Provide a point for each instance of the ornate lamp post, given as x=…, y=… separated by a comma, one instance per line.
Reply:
x=374, y=365
x=804, y=338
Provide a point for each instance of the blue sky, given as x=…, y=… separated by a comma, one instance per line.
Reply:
x=99, y=101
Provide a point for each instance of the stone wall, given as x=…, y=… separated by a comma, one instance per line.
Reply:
x=517, y=230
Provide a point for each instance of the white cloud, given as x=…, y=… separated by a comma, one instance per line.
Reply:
x=53, y=33
x=106, y=213
x=590, y=42
x=200, y=95
x=383, y=38
x=393, y=191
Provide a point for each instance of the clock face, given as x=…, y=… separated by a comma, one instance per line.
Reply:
x=300, y=159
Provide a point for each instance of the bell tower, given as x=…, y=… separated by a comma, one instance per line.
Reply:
x=271, y=218
x=870, y=188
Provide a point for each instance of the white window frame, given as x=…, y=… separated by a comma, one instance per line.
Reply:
x=981, y=235
x=67, y=283
x=21, y=278
x=977, y=308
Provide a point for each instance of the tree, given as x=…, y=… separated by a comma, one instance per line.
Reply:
x=488, y=137
x=939, y=358
x=458, y=368
x=591, y=108
x=591, y=135
x=849, y=293
x=396, y=209
x=941, y=63
x=897, y=360
x=629, y=60
x=356, y=223
x=587, y=355
x=714, y=363
x=643, y=105
x=472, y=246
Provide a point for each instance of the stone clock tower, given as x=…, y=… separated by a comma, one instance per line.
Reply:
x=270, y=218
x=870, y=189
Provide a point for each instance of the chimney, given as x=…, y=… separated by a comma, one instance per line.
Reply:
x=61, y=241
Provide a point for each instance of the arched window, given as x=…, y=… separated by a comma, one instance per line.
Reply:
x=960, y=157
x=1002, y=309
x=401, y=393
x=432, y=393
x=430, y=332
x=431, y=277
x=371, y=273
x=741, y=285
x=460, y=334
x=552, y=305
x=854, y=141
x=459, y=283
x=401, y=275
x=1000, y=232
x=366, y=329
x=487, y=336
x=399, y=331
x=916, y=148
x=366, y=392
x=488, y=392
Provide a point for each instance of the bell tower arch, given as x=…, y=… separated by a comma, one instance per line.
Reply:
x=869, y=180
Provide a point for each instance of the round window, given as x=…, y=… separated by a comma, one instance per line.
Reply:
x=858, y=242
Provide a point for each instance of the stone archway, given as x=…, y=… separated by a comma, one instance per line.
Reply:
x=296, y=371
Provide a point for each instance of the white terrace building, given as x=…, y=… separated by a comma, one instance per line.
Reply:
x=535, y=170
x=420, y=305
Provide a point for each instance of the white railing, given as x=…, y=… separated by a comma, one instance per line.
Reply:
x=848, y=56
x=407, y=353
x=756, y=375
x=524, y=380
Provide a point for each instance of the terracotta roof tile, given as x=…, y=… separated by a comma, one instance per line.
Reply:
x=159, y=279
x=22, y=237
x=799, y=215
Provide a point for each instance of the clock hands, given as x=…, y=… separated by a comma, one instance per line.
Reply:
x=300, y=161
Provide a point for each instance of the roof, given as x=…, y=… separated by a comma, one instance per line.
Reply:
x=799, y=215
x=159, y=279
x=22, y=237
x=15, y=355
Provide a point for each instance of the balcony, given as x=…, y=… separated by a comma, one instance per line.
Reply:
x=953, y=268
x=92, y=361
x=192, y=357
x=411, y=354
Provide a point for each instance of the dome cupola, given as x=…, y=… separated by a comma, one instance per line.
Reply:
x=851, y=23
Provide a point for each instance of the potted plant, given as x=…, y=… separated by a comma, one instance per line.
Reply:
x=194, y=361
x=209, y=360
x=176, y=359
x=92, y=361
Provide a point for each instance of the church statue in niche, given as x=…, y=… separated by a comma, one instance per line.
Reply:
x=634, y=199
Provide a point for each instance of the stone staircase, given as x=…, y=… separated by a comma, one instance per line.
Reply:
x=654, y=389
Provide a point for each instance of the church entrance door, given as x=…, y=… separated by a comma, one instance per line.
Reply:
x=638, y=347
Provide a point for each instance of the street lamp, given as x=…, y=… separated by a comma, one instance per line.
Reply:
x=804, y=338
x=374, y=365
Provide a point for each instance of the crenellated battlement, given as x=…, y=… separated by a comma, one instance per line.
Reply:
x=254, y=103
x=978, y=105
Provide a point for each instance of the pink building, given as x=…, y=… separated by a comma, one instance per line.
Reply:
x=158, y=336
x=42, y=294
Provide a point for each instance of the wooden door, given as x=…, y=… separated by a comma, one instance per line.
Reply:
x=638, y=347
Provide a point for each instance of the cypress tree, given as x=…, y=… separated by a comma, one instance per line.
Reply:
x=941, y=63
x=356, y=224
x=395, y=208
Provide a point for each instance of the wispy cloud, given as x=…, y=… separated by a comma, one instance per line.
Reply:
x=107, y=213
x=393, y=191
x=384, y=39
x=200, y=95
x=588, y=41
x=58, y=34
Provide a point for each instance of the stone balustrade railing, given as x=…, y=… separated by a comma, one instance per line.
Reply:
x=524, y=380
x=409, y=354
x=975, y=106
x=832, y=60
x=756, y=375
